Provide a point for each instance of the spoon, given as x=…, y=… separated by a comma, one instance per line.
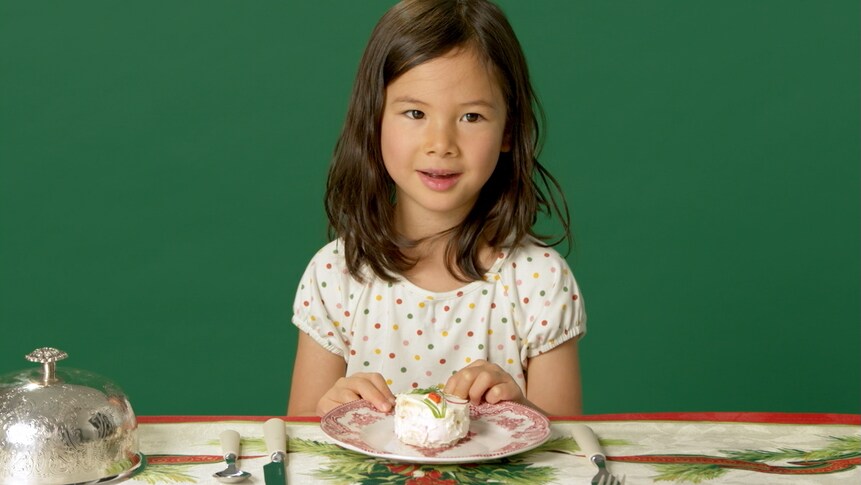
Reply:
x=230, y=448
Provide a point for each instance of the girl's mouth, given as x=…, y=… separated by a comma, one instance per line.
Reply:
x=439, y=175
x=438, y=180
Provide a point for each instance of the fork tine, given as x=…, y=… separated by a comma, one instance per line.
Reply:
x=601, y=480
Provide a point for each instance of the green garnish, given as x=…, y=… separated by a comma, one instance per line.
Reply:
x=437, y=406
x=438, y=411
x=428, y=390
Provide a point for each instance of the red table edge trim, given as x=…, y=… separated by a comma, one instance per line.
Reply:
x=742, y=417
x=724, y=416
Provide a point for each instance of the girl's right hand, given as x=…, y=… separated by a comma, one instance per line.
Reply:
x=369, y=386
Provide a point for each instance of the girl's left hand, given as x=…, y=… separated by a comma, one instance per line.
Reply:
x=481, y=379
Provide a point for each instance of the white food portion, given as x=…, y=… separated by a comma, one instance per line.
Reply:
x=416, y=425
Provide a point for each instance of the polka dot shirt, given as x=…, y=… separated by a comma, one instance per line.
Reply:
x=527, y=304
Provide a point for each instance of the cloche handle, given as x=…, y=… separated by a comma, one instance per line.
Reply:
x=47, y=356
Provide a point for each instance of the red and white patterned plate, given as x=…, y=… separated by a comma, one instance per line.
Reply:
x=495, y=431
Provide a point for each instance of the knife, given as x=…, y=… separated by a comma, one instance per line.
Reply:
x=586, y=439
x=275, y=435
x=588, y=442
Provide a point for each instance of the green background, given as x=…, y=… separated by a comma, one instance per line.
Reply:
x=162, y=167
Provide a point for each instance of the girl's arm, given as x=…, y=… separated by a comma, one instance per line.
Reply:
x=315, y=371
x=553, y=381
x=319, y=383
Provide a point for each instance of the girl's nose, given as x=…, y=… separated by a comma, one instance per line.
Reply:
x=440, y=140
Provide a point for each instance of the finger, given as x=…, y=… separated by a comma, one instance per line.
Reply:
x=505, y=391
x=364, y=386
x=483, y=382
x=464, y=379
x=460, y=383
x=380, y=383
x=333, y=399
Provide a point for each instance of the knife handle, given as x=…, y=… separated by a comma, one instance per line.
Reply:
x=586, y=439
x=229, y=442
x=275, y=435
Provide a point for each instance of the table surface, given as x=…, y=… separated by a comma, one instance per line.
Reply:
x=681, y=448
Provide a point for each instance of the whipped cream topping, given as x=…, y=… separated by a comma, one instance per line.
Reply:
x=429, y=418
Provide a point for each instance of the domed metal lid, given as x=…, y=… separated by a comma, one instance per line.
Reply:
x=64, y=426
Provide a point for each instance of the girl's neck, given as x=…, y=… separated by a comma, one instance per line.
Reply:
x=431, y=271
x=425, y=226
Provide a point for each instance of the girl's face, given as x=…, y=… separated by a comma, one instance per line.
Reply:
x=442, y=131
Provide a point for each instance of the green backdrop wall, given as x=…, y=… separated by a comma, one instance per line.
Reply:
x=162, y=166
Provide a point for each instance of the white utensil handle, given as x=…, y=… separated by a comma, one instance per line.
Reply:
x=229, y=442
x=586, y=439
x=275, y=435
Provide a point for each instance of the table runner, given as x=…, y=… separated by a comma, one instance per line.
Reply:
x=682, y=448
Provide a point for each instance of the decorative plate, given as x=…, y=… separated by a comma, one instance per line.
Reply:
x=495, y=431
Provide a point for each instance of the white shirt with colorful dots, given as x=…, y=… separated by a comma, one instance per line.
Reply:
x=527, y=304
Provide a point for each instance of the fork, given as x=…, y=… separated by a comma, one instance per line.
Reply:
x=588, y=442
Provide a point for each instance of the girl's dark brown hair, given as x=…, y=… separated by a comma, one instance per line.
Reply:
x=359, y=192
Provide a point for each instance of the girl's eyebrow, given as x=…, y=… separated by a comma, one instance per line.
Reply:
x=408, y=100
x=480, y=102
x=477, y=102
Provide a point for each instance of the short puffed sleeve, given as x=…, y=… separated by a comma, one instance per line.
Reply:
x=551, y=305
x=318, y=297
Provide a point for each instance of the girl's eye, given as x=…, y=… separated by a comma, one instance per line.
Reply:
x=472, y=117
x=415, y=114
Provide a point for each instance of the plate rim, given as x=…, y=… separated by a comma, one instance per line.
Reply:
x=422, y=459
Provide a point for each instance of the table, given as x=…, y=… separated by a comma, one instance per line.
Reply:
x=679, y=448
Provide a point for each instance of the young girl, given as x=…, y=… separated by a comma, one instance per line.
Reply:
x=435, y=275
